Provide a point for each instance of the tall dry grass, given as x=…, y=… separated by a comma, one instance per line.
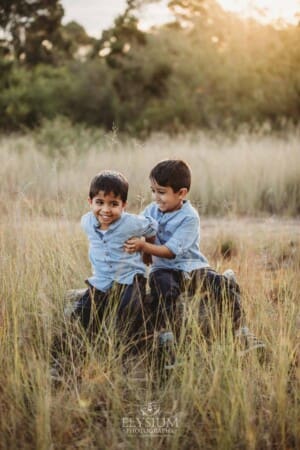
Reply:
x=221, y=400
x=247, y=174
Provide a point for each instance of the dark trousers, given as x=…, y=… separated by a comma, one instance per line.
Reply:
x=121, y=306
x=215, y=292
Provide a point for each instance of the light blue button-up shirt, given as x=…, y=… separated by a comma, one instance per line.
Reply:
x=179, y=231
x=106, y=249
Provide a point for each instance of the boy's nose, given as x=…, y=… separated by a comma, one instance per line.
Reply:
x=106, y=208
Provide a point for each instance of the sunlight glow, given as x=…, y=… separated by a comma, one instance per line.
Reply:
x=265, y=10
x=155, y=14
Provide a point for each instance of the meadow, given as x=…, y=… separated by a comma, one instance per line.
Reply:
x=247, y=190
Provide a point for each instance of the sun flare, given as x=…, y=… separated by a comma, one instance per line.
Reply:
x=265, y=10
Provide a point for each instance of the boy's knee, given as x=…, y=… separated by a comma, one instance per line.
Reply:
x=165, y=283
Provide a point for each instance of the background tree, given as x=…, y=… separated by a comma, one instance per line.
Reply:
x=207, y=69
x=32, y=28
x=76, y=43
x=189, y=9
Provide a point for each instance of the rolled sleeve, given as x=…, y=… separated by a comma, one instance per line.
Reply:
x=184, y=237
x=140, y=226
x=148, y=226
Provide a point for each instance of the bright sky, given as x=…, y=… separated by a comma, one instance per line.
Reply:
x=271, y=9
x=96, y=15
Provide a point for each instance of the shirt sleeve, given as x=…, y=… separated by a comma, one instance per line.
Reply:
x=88, y=222
x=148, y=211
x=84, y=222
x=147, y=226
x=184, y=235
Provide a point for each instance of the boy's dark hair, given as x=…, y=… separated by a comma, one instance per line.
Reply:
x=109, y=181
x=172, y=172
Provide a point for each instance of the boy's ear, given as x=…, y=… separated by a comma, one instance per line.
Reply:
x=89, y=200
x=124, y=205
x=183, y=192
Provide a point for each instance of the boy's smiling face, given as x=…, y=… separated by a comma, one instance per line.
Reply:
x=166, y=199
x=107, y=208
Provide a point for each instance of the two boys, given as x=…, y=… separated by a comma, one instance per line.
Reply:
x=177, y=264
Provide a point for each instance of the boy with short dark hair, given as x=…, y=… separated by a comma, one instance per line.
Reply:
x=118, y=279
x=178, y=265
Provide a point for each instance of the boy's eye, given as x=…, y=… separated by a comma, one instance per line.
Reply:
x=115, y=204
x=157, y=191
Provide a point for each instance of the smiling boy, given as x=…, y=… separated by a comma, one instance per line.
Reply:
x=118, y=280
x=178, y=264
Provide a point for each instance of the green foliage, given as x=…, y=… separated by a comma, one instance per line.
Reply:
x=6, y=66
x=74, y=39
x=219, y=71
x=118, y=40
x=77, y=33
x=83, y=92
x=30, y=96
x=92, y=98
x=32, y=27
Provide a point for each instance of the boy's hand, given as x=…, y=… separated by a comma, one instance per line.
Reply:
x=134, y=244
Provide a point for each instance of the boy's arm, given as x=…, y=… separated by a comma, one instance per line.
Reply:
x=180, y=241
x=136, y=244
x=147, y=258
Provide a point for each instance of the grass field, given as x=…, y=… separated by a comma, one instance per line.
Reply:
x=216, y=398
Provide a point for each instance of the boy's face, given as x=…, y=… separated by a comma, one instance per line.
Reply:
x=166, y=199
x=106, y=208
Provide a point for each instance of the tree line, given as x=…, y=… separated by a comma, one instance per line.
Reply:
x=207, y=68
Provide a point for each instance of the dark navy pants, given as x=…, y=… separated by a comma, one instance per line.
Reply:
x=121, y=305
x=213, y=288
